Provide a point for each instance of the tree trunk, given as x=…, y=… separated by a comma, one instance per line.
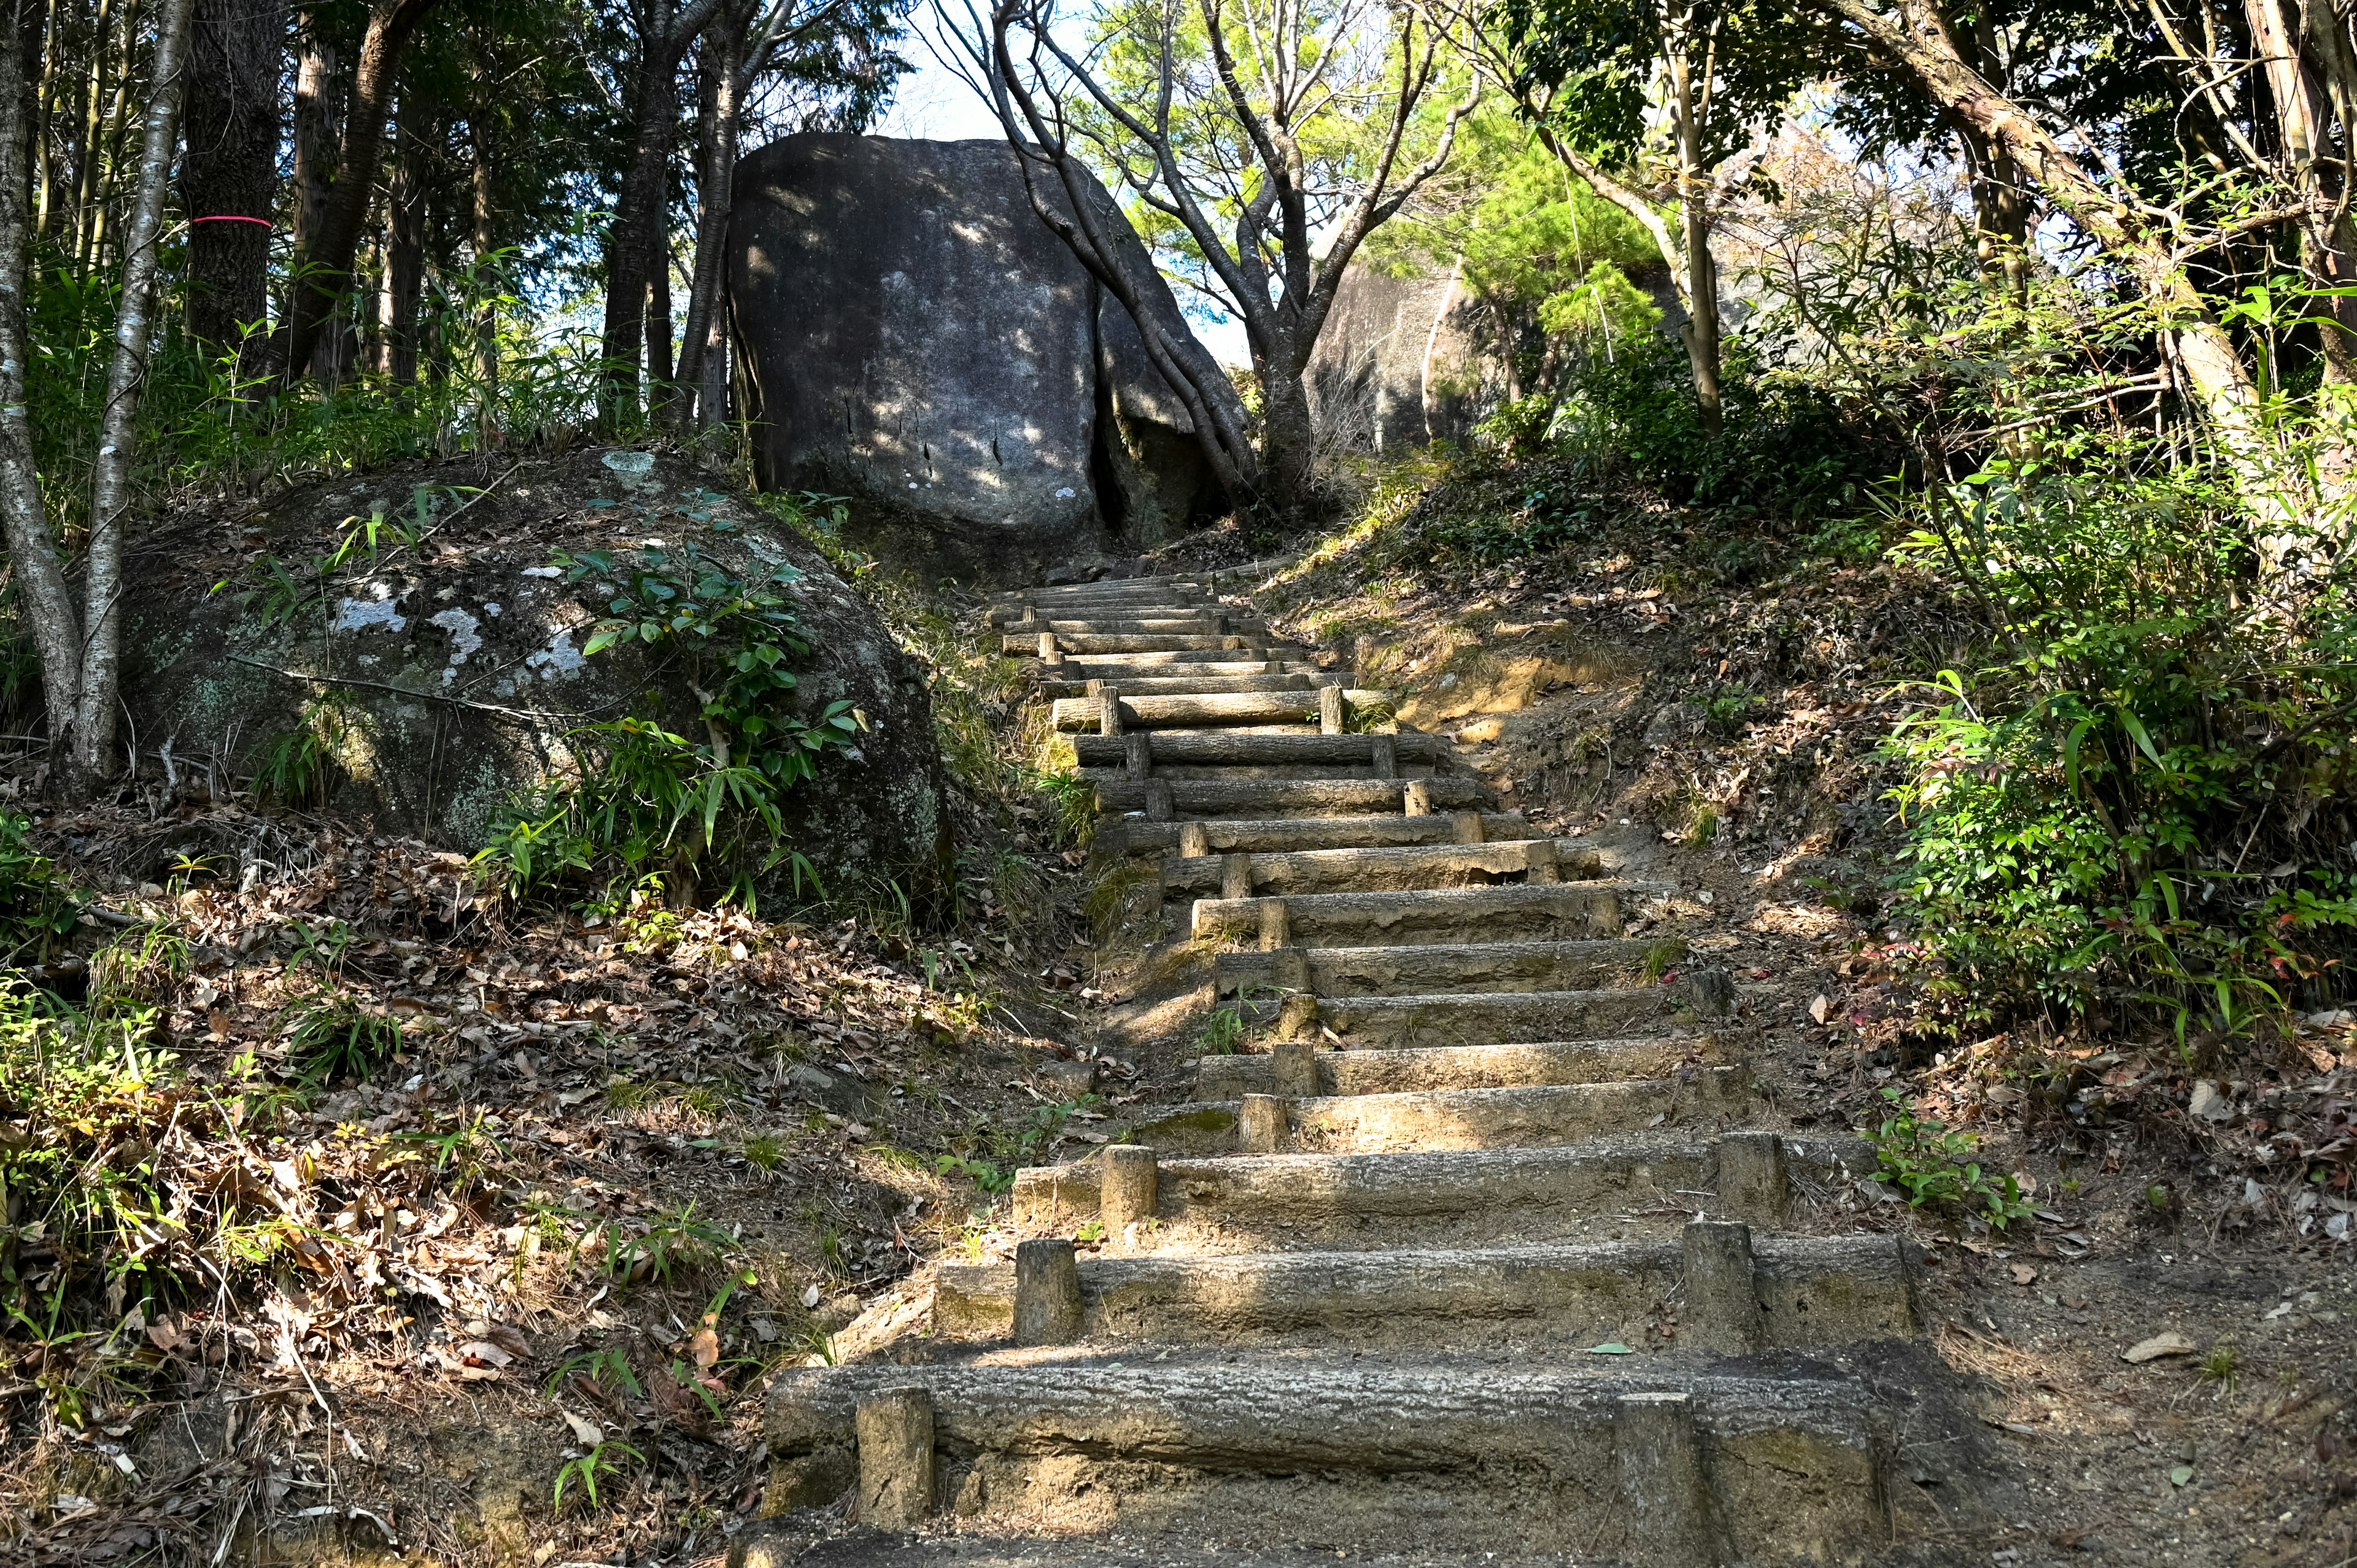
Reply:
x=1288, y=440
x=93, y=139
x=325, y=267
x=704, y=340
x=638, y=217
x=660, y=389
x=405, y=253
x=91, y=757
x=1700, y=330
x=33, y=556
x=46, y=106
x=318, y=130
x=486, y=243
x=2303, y=114
x=2221, y=381
x=106, y=219
x=228, y=175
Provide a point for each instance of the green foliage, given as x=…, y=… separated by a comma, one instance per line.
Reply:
x=674, y=1240
x=1222, y=1031
x=298, y=768
x=336, y=1039
x=1074, y=801
x=642, y=794
x=1787, y=449
x=37, y=910
x=1934, y=1166
x=610, y=1459
x=2144, y=805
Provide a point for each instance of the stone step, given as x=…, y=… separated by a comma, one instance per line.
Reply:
x=1285, y=834
x=1729, y=1291
x=1109, y=666
x=1425, y=968
x=1213, y=750
x=1302, y=873
x=1302, y=680
x=1195, y=710
x=1587, y=1461
x=1144, y=642
x=1143, y=623
x=1549, y=1115
x=1269, y=798
x=1641, y=1184
x=1497, y=1017
x=1559, y=911
x=1248, y=571
x=1451, y=1067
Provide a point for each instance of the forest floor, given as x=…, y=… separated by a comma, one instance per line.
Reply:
x=514, y=1299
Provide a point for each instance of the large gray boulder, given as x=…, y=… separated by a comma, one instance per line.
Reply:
x=919, y=340
x=449, y=674
x=1400, y=363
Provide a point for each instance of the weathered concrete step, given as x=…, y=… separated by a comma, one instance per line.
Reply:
x=1729, y=1292
x=1559, y=911
x=1577, y=1462
x=1266, y=798
x=1453, y=1067
x=1260, y=750
x=1142, y=642
x=1302, y=680
x=1272, y=835
x=1166, y=582
x=1184, y=661
x=1141, y=623
x=1436, y=967
x=1533, y=1116
x=1368, y=870
x=1500, y=1017
x=1642, y=1184
x=1201, y=709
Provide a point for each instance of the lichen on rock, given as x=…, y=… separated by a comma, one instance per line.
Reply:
x=453, y=657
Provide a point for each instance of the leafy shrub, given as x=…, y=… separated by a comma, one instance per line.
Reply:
x=36, y=908
x=1786, y=447
x=1934, y=1166
x=643, y=794
x=2147, y=806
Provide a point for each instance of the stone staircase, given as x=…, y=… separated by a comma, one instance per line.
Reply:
x=1489, y=1250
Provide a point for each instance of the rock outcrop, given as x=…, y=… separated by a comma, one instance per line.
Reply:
x=446, y=674
x=1399, y=363
x=919, y=340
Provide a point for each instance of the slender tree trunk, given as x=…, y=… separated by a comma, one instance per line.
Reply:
x=229, y=171
x=1700, y=330
x=326, y=266
x=43, y=116
x=33, y=555
x=118, y=130
x=638, y=218
x=660, y=388
x=486, y=243
x=705, y=342
x=405, y=251
x=91, y=753
x=94, y=129
x=318, y=130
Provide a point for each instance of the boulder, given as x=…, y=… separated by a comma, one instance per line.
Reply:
x=917, y=340
x=447, y=673
x=1399, y=363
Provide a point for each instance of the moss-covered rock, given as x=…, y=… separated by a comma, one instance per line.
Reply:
x=447, y=666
